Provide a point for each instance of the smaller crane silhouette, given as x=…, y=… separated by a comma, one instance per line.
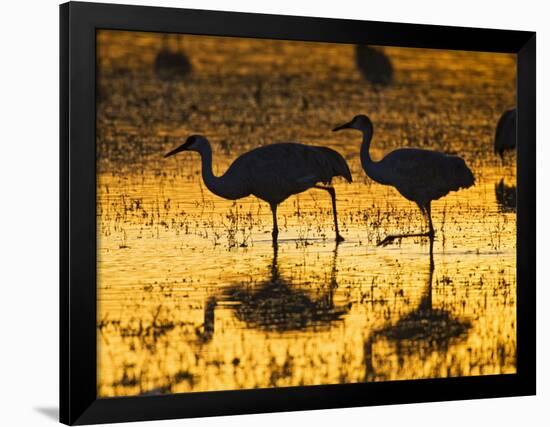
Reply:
x=419, y=175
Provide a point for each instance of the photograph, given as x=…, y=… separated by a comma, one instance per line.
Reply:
x=280, y=213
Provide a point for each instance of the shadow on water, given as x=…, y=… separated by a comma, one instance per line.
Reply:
x=275, y=305
x=423, y=330
x=171, y=64
x=505, y=196
x=374, y=65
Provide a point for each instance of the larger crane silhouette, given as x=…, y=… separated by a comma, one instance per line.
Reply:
x=419, y=175
x=272, y=173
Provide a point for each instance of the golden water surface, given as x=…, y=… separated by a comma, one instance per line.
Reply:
x=192, y=296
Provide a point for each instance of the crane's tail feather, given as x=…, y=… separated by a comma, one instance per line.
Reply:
x=336, y=163
x=342, y=169
x=469, y=178
x=466, y=178
x=347, y=173
x=457, y=174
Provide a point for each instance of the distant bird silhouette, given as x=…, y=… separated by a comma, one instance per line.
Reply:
x=272, y=173
x=505, y=196
x=170, y=64
x=505, y=135
x=419, y=175
x=374, y=65
x=276, y=305
x=424, y=329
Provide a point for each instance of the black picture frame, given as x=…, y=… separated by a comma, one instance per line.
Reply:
x=79, y=403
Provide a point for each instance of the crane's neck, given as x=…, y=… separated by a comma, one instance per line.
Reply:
x=370, y=167
x=365, y=148
x=224, y=186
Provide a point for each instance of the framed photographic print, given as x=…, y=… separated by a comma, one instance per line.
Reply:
x=272, y=213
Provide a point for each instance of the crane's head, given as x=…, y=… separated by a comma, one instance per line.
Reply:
x=360, y=122
x=192, y=143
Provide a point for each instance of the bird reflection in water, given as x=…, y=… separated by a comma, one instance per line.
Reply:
x=276, y=305
x=425, y=329
x=206, y=332
x=506, y=196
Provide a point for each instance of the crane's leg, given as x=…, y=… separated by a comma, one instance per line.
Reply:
x=426, y=212
x=275, y=232
x=422, y=211
x=432, y=265
x=431, y=232
x=332, y=193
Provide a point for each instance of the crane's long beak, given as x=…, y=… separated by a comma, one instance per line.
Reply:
x=344, y=126
x=181, y=148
